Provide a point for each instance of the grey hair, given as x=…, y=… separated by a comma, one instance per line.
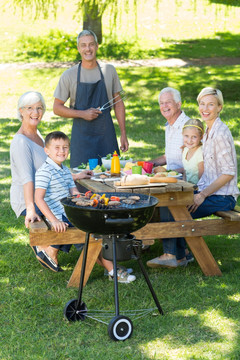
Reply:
x=211, y=91
x=87, y=33
x=176, y=94
x=29, y=98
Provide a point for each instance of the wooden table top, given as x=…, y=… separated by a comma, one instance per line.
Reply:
x=108, y=186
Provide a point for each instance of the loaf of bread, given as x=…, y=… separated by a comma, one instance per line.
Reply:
x=135, y=179
x=159, y=169
x=161, y=174
x=162, y=179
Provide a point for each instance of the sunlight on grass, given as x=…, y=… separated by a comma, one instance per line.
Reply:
x=235, y=297
x=4, y=280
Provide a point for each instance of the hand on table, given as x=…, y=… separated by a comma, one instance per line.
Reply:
x=31, y=217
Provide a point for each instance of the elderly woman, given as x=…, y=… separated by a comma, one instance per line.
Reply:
x=217, y=188
x=27, y=155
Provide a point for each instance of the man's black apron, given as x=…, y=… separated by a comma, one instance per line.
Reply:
x=95, y=138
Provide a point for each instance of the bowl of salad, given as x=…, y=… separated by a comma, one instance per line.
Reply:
x=107, y=160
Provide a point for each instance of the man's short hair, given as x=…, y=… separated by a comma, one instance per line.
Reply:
x=54, y=136
x=87, y=33
x=176, y=94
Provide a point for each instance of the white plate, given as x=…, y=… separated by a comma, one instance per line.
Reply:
x=79, y=170
x=176, y=176
x=106, y=179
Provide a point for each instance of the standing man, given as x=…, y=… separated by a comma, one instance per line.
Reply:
x=170, y=107
x=89, y=85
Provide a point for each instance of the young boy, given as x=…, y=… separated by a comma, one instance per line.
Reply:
x=53, y=182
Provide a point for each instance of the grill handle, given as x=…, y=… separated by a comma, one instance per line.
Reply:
x=127, y=221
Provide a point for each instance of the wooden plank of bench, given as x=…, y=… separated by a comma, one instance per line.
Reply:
x=230, y=215
x=38, y=226
x=71, y=236
x=203, y=227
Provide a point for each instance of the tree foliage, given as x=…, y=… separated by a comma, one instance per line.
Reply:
x=90, y=10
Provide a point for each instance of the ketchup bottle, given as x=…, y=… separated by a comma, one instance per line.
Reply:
x=115, y=164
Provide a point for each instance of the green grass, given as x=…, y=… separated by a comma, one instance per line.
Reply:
x=202, y=315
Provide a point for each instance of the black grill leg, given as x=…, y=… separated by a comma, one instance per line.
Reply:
x=145, y=274
x=79, y=301
x=115, y=275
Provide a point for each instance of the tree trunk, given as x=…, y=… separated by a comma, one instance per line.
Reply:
x=92, y=20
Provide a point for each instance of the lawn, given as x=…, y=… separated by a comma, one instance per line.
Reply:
x=201, y=315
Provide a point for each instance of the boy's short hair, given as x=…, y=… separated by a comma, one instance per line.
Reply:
x=54, y=136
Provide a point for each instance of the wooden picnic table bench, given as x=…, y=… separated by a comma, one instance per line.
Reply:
x=175, y=197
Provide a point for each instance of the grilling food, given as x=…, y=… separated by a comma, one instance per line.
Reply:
x=97, y=200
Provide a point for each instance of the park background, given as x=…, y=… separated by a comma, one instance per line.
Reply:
x=200, y=41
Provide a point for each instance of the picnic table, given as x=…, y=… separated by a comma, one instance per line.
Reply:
x=175, y=196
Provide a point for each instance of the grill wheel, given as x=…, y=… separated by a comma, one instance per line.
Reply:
x=120, y=328
x=71, y=313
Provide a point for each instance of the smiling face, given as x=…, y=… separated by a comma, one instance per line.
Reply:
x=32, y=114
x=191, y=137
x=87, y=48
x=57, y=150
x=169, y=108
x=209, y=109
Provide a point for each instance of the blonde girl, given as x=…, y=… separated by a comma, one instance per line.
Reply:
x=192, y=157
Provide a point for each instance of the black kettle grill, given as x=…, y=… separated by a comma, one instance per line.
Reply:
x=114, y=224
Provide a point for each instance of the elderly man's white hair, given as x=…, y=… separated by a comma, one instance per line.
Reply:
x=30, y=98
x=176, y=94
x=87, y=33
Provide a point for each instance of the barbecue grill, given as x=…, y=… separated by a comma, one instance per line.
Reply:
x=114, y=224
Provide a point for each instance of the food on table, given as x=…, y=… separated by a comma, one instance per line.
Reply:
x=161, y=174
x=162, y=179
x=83, y=166
x=134, y=197
x=159, y=169
x=128, y=166
x=172, y=173
x=135, y=179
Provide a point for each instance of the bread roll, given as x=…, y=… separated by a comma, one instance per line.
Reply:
x=135, y=179
x=172, y=173
x=159, y=169
x=161, y=174
x=163, y=179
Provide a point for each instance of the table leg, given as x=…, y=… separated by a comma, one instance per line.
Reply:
x=94, y=249
x=197, y=244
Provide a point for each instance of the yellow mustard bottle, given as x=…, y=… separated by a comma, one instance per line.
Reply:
x=115, y=165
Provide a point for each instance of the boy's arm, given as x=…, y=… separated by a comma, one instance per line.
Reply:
x=59, y=226
x=74, y=191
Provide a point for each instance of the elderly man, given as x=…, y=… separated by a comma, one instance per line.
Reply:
x=89, y=85
x=170, y=107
